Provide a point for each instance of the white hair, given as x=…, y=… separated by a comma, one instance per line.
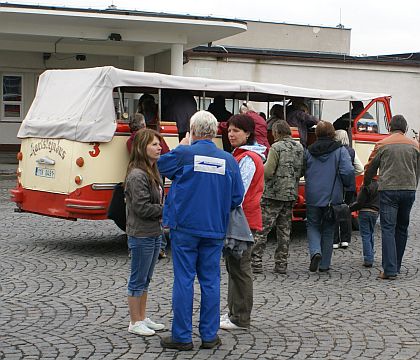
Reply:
x=245, y=107
x=203, y=124
x=342, y=136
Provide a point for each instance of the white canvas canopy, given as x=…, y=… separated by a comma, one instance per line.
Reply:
x=78, y=104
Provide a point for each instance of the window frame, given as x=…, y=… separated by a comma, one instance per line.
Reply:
x=3, y=117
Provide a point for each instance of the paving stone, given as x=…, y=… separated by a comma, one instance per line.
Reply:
x=63, y=296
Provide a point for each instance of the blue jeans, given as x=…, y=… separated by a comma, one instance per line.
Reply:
x=193, y=255
x=367, y=221
x=164, y=242
x=144, y=254
x=320, y=235
x=395, y=208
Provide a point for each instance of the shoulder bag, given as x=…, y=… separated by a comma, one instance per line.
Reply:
x=336, y=213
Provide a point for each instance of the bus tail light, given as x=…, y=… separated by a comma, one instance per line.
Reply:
x=19, y=156
x=78, y=179
x=18, y=172
x=80, y=162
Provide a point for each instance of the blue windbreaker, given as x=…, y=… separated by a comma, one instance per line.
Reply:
x=321, y=160
x=206, y=185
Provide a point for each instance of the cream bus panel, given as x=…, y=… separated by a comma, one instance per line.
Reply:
x=363, y=150
x=104, y=163
x=46, y=164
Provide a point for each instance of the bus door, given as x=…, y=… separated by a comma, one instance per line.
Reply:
x=370, y=126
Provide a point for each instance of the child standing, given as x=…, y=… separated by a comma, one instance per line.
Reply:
x=368, y=205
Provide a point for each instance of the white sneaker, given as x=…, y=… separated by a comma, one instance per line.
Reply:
x=140, y=328
x=224, y=318
x=344, y=244
x=229, y=325
x=152, y=325
x=335, y=246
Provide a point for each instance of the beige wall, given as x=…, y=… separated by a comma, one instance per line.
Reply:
x=265, y=35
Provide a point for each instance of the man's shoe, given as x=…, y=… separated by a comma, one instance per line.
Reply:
x=168, y=343
x=344, y=245
x=336, y=246
x=140, y=328
x=211, y=344
x=152, y=325
x=367, y=264
x=162, y=254
x=229, y=325
x=315, y=260
x=280, y=269
x=383, y=276
x=324, y=270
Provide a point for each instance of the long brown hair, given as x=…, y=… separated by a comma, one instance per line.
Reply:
x=139, y=158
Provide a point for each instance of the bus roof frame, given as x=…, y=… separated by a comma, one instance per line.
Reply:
x=78, y=105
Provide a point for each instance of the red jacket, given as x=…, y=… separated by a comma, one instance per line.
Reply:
x=251, y=203
x=260, y=130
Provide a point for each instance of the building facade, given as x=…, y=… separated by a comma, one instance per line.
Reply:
x=36, y=38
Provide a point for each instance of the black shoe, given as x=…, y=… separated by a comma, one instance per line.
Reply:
x=324, y=270
x=167, y=342
x=162, y=254
x=367, y=265
x=211, y=344
x=315, y=260
x=280, y=269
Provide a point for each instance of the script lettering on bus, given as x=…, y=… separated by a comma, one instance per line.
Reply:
x=49, y=145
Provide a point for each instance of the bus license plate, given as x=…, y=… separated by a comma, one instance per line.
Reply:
x=44, y=172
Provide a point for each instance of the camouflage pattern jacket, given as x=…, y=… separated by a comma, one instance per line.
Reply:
x=283, y=169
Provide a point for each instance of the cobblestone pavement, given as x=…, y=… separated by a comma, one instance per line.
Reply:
x=63, y=284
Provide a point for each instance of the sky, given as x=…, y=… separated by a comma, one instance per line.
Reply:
x=377, y=27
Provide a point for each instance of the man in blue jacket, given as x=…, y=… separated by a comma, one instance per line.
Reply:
x=328, y=169
x=206, y=185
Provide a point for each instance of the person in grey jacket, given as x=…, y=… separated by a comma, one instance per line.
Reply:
x=328, y=170
x=143, y=193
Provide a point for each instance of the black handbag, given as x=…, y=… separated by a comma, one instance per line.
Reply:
x=336, y=213
x=116, y=209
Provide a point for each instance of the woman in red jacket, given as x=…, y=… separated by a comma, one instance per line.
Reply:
x=250, y=156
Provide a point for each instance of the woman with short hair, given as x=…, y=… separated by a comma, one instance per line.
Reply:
x=250, y=156
x=328, y=169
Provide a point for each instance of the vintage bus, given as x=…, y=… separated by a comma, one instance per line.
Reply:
x=73, y=149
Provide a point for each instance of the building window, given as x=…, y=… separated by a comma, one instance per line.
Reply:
x=12, y=97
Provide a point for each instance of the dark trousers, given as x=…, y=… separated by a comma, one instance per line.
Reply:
x=342, y=231
x=395, y=207
x=181, y=135
x=240, y=288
